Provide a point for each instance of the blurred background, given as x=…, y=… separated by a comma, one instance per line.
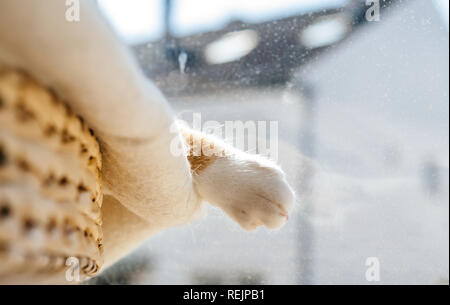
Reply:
x=362, y=105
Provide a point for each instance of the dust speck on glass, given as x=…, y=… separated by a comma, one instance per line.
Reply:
x=358, y=87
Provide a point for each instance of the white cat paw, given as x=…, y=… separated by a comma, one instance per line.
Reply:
x=251, y=190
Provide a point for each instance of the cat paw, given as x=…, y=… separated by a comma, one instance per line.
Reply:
x=249, y=189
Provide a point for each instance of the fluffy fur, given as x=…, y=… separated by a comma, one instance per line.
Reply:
x=147, y=188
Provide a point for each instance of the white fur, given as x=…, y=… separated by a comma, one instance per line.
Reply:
x=148, y=188
x=251, y=189
x=252, y=193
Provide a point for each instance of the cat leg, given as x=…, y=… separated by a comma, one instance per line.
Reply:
x=250, y=189
x=88, y=66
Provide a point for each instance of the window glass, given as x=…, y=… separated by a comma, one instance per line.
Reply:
x=361, y=97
